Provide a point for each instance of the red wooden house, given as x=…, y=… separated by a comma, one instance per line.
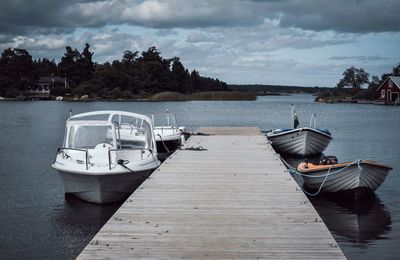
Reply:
x=390, y=90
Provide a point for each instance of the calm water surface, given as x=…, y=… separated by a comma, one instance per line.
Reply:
x=38, y=222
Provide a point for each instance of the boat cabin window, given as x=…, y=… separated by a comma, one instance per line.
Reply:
x=131, y=136
x=164, y=120
x=123, y=120
x=88, y=136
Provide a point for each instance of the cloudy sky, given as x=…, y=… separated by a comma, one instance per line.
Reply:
x=292, y=42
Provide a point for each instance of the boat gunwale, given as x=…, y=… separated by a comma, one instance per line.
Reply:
x=271, y=135
x=318, y=168
x=113, y=172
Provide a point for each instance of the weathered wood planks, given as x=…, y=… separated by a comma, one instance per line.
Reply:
x=233, y=201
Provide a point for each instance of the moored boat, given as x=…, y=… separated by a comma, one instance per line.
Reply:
x=167, y=133
x=334, y=177
x=96, y=164
x=302, y=141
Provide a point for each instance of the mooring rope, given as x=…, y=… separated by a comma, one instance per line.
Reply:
x=162, y=141
x=293, y=170
x=154, y=158
x=200, y=133
x=194, y=148
x=123, y=162
x=320, y=187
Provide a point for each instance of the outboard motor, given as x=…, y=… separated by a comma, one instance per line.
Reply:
x=328, y=160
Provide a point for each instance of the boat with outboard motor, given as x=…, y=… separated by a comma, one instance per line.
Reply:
x=331, y=176
x=97, y=163
x=167, y=133
x=302, y=141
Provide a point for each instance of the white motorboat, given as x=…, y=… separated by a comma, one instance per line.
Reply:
x=97, y=163
x=167, y=134
x=302, y=141
x=334, y=177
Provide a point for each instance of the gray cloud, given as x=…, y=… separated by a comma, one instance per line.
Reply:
x=201, y=37
x=361, y=58
x=21, y=17
x=239, y=41
x=340, y=15
x=191, y=13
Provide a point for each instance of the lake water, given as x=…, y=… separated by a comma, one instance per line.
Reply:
x=38, y=222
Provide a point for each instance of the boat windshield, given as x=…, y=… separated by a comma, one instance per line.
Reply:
x=163, y=120
x=133, y=132
x=88, y=136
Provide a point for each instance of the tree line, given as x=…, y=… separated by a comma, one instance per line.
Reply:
x=353, y=81
x=135, y=75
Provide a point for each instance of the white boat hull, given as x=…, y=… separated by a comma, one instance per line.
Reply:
x=301, y=142
x=102, y=188
x=362, y=175
x=100, y=183
x=168, y=139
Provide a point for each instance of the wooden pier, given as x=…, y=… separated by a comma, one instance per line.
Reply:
x=233, y=199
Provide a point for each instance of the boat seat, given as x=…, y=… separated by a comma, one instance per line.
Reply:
x=99, y=155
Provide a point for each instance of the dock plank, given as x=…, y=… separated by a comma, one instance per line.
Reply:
x=234, y=200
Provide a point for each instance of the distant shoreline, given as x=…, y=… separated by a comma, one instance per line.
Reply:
x=350, y=101
x=158, y=97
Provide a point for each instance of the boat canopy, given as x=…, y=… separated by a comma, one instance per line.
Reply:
x=86, y=130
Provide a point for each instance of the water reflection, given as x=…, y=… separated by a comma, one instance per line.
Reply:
x=74, y=224
x=358, y=221
x=76, y=212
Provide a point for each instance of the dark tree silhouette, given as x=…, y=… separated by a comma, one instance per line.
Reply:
x=44, y=67
x=396, y=70
x=16, y=70
x=353, y=78
x=133, y=75
x=180, y=77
